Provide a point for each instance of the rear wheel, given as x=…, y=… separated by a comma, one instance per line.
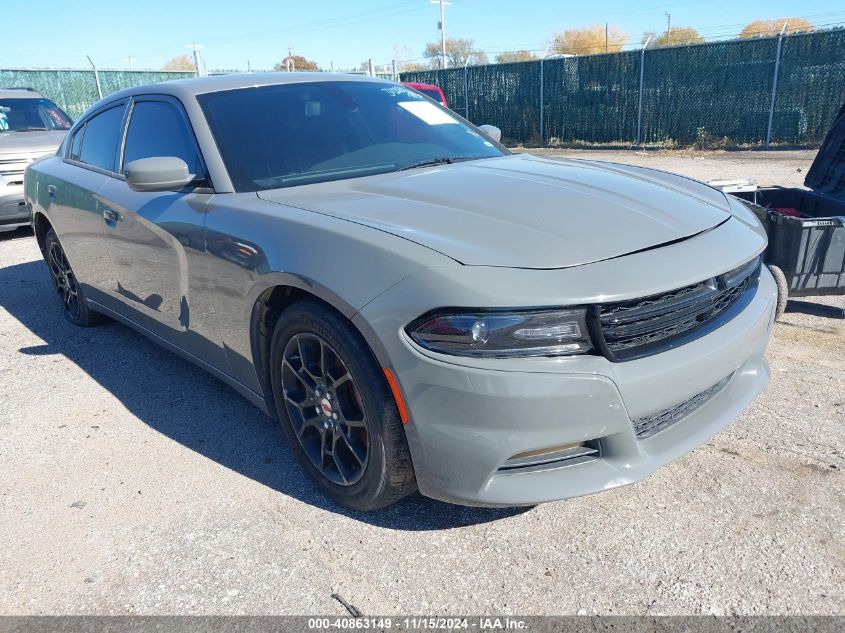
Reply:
x=337, y=410
x=783, y=290
x=74, y=306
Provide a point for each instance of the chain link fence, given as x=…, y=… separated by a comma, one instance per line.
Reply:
x=75, y=90
x=780, y=90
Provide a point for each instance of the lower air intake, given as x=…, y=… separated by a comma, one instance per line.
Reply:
x=651, y=424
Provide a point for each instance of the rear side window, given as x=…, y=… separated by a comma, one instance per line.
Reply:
x=76, y=145
x=157, y=128
x=99, y=145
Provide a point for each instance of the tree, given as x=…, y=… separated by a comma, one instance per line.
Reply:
x=770, y=28
x=459, y=52
x=515, y=56
x=182, y=62
x=296, y=62
x=678, y=36
x=589, y=40
x=411, y=67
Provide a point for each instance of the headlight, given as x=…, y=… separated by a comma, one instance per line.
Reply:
x=504, y=333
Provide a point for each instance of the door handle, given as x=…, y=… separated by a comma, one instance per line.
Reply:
x=52, y=190
x=111, y=217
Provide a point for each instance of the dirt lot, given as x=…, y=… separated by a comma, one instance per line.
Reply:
x=132, y=482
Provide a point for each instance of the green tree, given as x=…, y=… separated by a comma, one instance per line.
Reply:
x=515, y=56
x=459, y=52
x=296, y=63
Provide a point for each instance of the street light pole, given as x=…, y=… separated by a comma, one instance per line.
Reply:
x=442, y=25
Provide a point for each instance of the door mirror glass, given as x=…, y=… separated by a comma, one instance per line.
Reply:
x=492, y=131
x=160, y=173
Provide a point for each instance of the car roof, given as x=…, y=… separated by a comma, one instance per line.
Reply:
x=20, y=93
x=201, y=85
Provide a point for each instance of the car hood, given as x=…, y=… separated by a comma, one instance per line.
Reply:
x=521, y=211
x=33, y=143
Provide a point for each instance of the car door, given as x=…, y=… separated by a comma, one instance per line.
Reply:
x=88, y=163
x=156, y=239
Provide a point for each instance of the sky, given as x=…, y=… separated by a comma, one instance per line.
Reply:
x=340, y=34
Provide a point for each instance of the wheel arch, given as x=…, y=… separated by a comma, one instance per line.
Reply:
x=41, y=226
x=271, y=303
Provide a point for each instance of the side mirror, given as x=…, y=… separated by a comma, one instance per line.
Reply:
x=161, y=173
x=492, y=131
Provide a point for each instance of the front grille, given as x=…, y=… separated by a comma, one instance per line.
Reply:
x=651, y=424
x=633, y=329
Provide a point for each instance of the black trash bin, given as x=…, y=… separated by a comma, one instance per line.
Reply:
x=806, y=229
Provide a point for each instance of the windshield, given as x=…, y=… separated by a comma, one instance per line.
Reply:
x=21, y=115
x=301, y=133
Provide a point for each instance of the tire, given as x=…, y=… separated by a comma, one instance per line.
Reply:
x=783, y=290
x=316, y=351
x=74, y=306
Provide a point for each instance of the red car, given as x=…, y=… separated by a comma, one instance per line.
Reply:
x=432, y=92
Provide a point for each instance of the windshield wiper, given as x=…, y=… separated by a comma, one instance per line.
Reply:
x=31, y=129
x=445, y=160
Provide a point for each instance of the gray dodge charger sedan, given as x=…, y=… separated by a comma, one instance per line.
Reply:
x=418, y=306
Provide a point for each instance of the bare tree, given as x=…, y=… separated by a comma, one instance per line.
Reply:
x=769, y=28
x=182, y=62
x=459, y=52
x=515, y=56
x=678, y=36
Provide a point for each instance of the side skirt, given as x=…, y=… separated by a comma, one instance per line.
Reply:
x=265, y=403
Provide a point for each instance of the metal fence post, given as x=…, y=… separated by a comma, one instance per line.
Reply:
x=466, y=93
x=640, y=105
x=774, y=87
x=542, y=95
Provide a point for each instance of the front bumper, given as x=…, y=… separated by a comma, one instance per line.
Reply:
x=13, y=210
x=467, y=421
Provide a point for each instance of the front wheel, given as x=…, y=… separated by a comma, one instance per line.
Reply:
x=74, y=306
x=337, y=410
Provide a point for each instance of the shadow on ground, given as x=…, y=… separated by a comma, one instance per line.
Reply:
x=816, y=309
x=189, y=406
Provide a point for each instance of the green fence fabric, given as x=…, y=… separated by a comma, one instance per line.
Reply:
x=716, y=94
x=75, y=90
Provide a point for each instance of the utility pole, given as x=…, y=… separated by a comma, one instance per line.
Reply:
x=289, y=62
x=668, y=29
x=197, y=59
x=130, y=60
x=605, y=37
x=442, y=26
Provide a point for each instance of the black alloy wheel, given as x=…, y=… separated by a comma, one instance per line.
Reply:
x=326, y=409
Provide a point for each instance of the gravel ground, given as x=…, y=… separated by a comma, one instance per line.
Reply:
x=134, y=483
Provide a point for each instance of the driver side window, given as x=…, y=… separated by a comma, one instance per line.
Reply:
x=157, y=128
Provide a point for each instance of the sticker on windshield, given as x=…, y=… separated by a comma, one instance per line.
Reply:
x=428, y=112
